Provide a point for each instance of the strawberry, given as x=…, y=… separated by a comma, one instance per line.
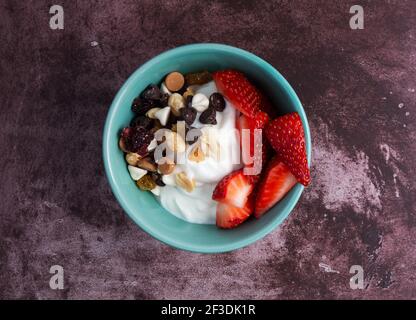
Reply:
x=275, y=182
x=286, y=136
x=229, y=216
x=243, y=122
x=239, y=91
x=234, y=188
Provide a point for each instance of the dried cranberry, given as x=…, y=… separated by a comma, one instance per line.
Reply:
x=152, y=92
x=142, y=121
x=138, y=140
x=216, y=101
x=188, y=114
x=208, y=116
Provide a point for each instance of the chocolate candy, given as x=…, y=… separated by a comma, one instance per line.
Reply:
x=188, y=114
x=216, y=101
x=208, y=116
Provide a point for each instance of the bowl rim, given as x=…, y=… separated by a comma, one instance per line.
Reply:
x=117, y=192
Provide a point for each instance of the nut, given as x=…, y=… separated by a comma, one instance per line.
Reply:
x=174, y=81
x=132, y=158
x=152, y=113
x=175, y=142
x=184, y=182
x=188, y=92
x=122, y=144
x=147, y=164
x=176, y=102
x=166, y=166
x=196, y=154
x=146, y=183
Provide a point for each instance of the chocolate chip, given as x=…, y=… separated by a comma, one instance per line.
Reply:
x=208, y=116
x=188, y=114
x=216, y=101
x=152, y=92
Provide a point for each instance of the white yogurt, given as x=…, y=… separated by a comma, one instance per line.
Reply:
x=197, y=206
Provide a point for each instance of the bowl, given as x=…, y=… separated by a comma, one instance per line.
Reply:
x=141, y=206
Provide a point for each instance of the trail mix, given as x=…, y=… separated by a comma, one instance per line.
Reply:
x=172, y=105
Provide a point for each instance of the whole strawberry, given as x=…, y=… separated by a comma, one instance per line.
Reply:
x=286, y=136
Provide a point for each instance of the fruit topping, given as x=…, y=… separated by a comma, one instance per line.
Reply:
x=141, y=121
x=137, y=139
x=276, y=181
x=198, y=78
x=235, y=188
x=152, y=92
x=229, y=216
x=286, y=136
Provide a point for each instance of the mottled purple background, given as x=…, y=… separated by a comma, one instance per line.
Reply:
x=57, y=207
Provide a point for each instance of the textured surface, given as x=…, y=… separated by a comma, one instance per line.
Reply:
x=56, y=205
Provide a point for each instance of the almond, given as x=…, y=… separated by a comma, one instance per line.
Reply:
x=196, y=154
x=132, y=158
x=176, y=102
x=184, y=182
x=166, y=166
x=147, y=164
x=152, y=113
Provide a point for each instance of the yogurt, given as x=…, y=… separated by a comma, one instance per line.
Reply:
x=197, y=206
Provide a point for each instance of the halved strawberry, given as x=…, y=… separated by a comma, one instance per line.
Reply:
x=286, y=136
x=275, y=182
x=243, y=122
x=239, y=91
x=229, y=216
x=234, y=188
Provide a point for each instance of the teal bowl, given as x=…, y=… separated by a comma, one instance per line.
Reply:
x=141, y=206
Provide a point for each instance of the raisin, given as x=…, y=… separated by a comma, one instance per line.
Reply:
x=146, y=183
x=141, y=106
x=157, y=178
x=216, y=101
x=152, y=92
x=188, y=114
x=198, y=78
x=208, y=116
x=142, y=121
x=163, y=102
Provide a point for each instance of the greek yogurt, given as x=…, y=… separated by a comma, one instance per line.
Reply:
x=197, y=206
